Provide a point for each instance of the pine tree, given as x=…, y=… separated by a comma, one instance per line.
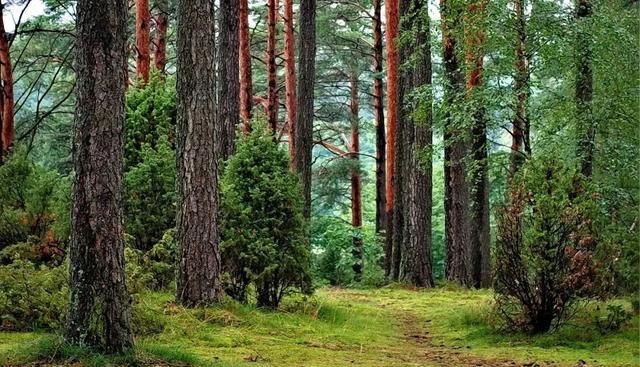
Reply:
x=99, y=303
x=198, y=277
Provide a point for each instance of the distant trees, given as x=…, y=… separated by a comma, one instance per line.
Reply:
x=392, y=10
x=143, y=40
x=228, y=78
x=7, y=131
x=160, y=35
x=584, y=88
x=99, y=303
x=456, y=204
x=198, y=277
x=246, y=80
x=305, y=100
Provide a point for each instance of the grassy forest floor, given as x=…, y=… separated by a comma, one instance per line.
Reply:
x=339, y=327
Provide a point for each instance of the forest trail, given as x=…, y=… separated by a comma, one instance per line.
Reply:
x=419, y=346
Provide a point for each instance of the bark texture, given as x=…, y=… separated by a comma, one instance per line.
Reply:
x=520, y=146
x=246, y=83
x=272, y=73
x=143, y=39
x=6, y=74
x=391, y=13
x=198, y=278
x=356, y=181
x=479, y=176
x=228, y=79
x=584, y=88
x=378, y=115
x=160, y=37
x=456, y=201
x=99, y=312
x=305, y=112
x=415, y=118
x=290, y=77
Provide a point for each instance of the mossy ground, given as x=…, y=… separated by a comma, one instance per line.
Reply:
x=338, y=327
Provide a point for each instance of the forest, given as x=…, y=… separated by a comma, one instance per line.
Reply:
x=321, y=183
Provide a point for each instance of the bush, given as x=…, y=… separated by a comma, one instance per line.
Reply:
x=264, y=233
x=544, y=248
x=150, y=162
x=154, y=269
x=32, y=297
x=332, y=241
x=34, y=205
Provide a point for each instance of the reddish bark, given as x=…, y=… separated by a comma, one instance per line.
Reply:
x=160, y=41
x=392, y=17
x=143, y=39
x=246, y=84
x=356, y=182
x=290, y=76
x=272, y=77
x=378, y=116
x=6, y=74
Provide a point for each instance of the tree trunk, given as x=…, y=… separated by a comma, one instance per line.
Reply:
x=584, y=88
x=198, y=278
x=305, y=112
x=290, y=77
x=99, y=303
x=480, y=230
x=228, y=79
x=456, y=201
x=143, y=39
x=520, y=145
x=391, y=13
x=378, y=115
x=415, y=123
x=6, y=74
x=356, y=182
x=246, y=83
x=160, y=42
x=272, y=76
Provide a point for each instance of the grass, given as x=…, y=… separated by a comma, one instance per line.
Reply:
x=385, y=327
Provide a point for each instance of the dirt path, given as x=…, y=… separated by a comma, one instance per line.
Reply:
x=415, y=333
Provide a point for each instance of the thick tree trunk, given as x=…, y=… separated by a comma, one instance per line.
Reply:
x=520, y=146
x=584, y=88
x=378, y=115
x=246, y=83
x=198, y=278
x=143, y=40
x=272, y=76
x=415, y=120
x=305, y=112
x=456, y=204
x=99, y=303
x=6, y=74
x=160, y=41
x=391, y=13
x=356, y=182
x=290, y=77
x=228, y=79
x=480, y=229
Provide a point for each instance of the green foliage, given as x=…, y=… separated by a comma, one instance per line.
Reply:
x=332, y=242
x=150, y=162
x=545, y=245
x=32, y=297
x=154, y=269
x=34, y=206
x=264, y=233
x=615, y=318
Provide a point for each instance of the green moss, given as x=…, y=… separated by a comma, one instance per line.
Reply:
x=377, y=328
